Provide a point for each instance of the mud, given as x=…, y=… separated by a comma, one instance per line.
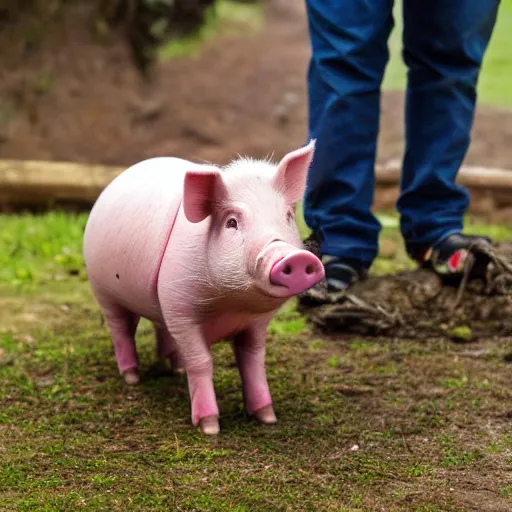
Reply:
x=420, y=304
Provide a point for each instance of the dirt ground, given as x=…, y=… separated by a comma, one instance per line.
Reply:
x=421, y=303
x=365, y=423
x=71, y=98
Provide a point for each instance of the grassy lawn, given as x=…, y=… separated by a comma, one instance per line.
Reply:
x=365, y=425
x=496, y=77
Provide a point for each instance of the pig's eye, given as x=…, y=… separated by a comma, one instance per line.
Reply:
x=232, y=223
x=290, y=216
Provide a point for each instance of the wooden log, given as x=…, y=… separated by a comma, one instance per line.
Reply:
x=36, y=182
x=469, y=176
x=39, y=182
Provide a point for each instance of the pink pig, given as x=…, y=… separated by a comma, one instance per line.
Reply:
x=206, y=254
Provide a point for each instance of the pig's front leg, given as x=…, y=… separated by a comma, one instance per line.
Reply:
x=249, y=346
x=198, y=361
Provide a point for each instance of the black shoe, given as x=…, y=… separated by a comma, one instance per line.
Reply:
x=312, y=243
x=450, y=254
x=339, y=274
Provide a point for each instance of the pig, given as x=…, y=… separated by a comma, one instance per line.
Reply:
x=207, y=254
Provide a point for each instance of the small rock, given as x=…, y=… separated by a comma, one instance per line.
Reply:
x=354, y=448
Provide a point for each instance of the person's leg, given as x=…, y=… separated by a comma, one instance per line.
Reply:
x=444, y=44
x=349, y=55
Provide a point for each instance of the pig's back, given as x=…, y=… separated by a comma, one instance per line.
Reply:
x=127, y=232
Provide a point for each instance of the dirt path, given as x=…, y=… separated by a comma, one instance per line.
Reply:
x=71, y=100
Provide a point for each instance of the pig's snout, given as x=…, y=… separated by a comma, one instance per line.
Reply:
x=297, y=272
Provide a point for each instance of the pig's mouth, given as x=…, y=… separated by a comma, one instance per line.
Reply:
x=289, y=271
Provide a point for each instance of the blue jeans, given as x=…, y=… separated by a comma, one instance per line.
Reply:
x=444, y=43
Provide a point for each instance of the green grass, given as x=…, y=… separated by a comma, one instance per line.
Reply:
x=48, y=248
x=494, y=86
x=226, y=17
x=40, y=249
x=364, y=424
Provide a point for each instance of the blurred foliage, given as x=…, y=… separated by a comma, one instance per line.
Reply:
x=148, y=23
x=496, y=74
x=145, y=24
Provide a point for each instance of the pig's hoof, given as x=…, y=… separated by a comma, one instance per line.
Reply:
x=266, y=415
x=209, y=425
x=176, y=365
x=131, y=377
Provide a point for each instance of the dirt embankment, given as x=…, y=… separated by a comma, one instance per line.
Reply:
x=70, y=98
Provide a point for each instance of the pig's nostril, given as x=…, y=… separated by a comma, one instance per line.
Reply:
x=296, y=272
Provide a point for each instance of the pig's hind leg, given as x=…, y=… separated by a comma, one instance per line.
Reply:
x=123, y=325
x=167, y=349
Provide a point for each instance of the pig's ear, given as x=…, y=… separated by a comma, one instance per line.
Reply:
x=199, y=192
x=292, y=173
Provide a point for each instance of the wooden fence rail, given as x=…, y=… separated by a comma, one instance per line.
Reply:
x=36, y=182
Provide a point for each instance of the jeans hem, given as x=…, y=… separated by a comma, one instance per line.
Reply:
x=417, y=246
x=364, y=256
